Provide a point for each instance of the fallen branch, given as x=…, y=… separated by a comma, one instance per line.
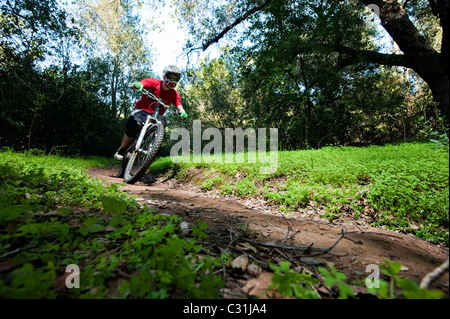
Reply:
x=293, y=261
x=18, y=250
x=290, y=229
x=373, y=232
x=233, y=239
x=435, y=274
x=289, y=236
x=299, y=248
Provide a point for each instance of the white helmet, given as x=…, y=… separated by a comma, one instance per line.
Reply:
x=171, y=76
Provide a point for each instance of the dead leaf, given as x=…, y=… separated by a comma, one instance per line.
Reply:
x=240, y=262
x=259, y=286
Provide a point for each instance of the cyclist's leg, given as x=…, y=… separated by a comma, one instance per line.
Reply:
x=133, y=127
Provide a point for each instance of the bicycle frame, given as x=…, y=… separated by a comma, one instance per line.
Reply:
x=151, y=119
x=145, y=147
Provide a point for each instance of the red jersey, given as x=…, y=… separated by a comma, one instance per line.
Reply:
x=156, y=87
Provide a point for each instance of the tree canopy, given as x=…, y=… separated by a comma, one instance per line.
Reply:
x=335, y=26
x=322, y=71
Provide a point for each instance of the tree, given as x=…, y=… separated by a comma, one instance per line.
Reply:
x=431, y=63
x=113, y=33
x=27, y=26
x=214, y=88
x=46, y=100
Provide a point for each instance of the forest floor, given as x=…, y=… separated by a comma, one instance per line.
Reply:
x=257, y=231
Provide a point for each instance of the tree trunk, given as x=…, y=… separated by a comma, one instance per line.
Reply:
x=438, y=81
x=431, y=65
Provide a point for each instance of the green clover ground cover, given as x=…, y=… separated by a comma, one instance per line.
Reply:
x=53, y=215
x=407, y=185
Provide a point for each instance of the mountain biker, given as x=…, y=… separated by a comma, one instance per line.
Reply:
x=162, y=89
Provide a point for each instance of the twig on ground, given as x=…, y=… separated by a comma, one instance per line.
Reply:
x=290, y=232
x=435, y=274
x=372, y=232
x=286, y=257
x=231, y=228
x=290, y=229
x=300, y=248
x=18, y=250
x=125, y=275
x=358, y=242
x=223, y=269
x=233, y=239
x=318, y=276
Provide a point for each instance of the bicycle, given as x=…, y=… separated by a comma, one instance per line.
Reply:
x=142, y=150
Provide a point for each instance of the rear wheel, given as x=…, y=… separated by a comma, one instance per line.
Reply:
x=140, y=160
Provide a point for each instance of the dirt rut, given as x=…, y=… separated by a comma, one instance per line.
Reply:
x=258, y=230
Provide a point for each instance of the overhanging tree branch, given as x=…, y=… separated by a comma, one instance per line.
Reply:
x=419, y=54
x=349, y=56
x=234, y=24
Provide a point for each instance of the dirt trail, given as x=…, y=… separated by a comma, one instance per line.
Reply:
x=228, y=217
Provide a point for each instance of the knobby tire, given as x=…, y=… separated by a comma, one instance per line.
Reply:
x=126, y=157
x=138, y=163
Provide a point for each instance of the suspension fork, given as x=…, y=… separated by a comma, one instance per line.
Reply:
x=144, y=129
x=147, y=124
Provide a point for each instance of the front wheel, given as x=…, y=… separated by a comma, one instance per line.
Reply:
x=122, y=168
x=141, y=159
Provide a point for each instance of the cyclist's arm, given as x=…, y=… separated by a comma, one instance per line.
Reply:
x=133, y=86
x=180, y=108
x=178, y=103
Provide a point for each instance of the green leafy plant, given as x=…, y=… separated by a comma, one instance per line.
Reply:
x=401, y=287
x=290, y=283
x=53, y=215
x=198, y=232
x=214, y=182
x=437, y=134
x=114, y=206
x=245, y=187
x=336, y=279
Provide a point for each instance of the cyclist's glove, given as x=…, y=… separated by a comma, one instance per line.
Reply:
x=184, y=115
x=138, y=86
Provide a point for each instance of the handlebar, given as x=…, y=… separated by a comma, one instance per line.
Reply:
x=152, y=96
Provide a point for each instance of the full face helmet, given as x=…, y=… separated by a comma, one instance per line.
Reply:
x=171, y=76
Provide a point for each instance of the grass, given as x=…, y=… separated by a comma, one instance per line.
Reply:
x=52, y=215
x=406, y=185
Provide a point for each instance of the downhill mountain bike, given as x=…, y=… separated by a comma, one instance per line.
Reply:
x=142, y=150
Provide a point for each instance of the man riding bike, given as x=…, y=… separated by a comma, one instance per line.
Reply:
x=162, y=89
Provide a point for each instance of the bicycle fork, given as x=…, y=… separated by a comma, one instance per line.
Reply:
x=148, y=122
x=144, y=129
